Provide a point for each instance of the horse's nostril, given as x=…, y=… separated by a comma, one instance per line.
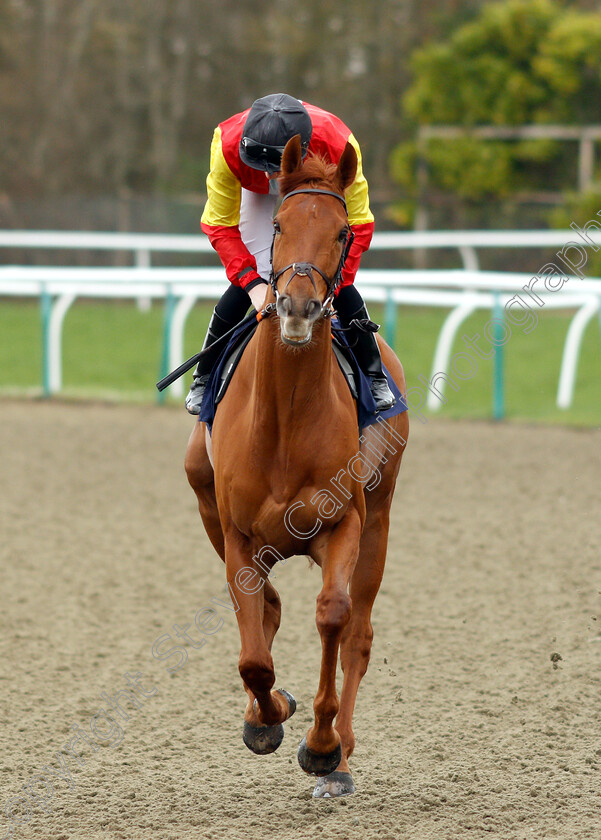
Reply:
x=285, y=304
x=312, y=308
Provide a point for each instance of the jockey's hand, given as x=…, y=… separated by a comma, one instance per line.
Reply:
x=257, y=295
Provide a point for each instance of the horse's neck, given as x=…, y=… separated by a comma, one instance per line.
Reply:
x=293, y=387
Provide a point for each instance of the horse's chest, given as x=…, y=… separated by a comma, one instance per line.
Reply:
x=282, y=513
x=281, y=494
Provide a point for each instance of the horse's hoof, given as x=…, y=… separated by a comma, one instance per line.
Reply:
x=335, y=784
x=318, y=764
x=290, y=699
x=287, y=696
x=263, y=740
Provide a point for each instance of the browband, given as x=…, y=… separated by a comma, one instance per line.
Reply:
x=320, y=192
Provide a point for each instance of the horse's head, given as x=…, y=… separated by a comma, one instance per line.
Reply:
x=312, y=237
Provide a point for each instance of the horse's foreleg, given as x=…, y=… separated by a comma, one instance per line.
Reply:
x=358, y=634
x=258, y=619
x=355, y=647
x=257, y=737
x=272, y=610
x=320, y=752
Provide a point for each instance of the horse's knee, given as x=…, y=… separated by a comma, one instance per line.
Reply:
x=258, y=675
x=333, y=612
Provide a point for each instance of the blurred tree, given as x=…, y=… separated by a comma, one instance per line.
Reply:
x=580, y=208
x=120, y=97
x=517, y=62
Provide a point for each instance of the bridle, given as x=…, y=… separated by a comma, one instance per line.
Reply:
x=303, y=269
x=306, y=269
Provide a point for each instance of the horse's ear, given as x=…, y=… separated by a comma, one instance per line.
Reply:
x=347, y=167
x=292, y=155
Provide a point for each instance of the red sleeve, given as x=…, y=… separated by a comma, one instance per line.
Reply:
x=233, y=253
x=363, y=234
x=236, y=257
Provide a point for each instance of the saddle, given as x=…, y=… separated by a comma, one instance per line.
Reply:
x=356, y=380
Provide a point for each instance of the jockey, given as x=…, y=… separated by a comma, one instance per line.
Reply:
x=242, y=193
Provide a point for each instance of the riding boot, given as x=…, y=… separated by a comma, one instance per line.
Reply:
x=354, y=317
x=229, y=311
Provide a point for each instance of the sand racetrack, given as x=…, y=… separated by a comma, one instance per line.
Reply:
x=465, y=726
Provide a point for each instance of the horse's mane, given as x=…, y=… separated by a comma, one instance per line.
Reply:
x=315, y=171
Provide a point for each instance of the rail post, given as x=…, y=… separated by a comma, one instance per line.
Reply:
x=170, y=301
x=45, y=313
x=390, y=319
x=498, y=398
x=143, y=260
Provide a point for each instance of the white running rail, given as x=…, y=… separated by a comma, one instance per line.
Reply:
x=463, y=291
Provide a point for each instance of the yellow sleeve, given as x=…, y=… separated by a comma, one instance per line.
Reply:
x=223, y=189
x=357, y=195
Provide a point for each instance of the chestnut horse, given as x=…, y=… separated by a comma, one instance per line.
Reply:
x=285, y=431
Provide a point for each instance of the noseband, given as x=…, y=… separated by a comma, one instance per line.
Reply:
x=306, y=269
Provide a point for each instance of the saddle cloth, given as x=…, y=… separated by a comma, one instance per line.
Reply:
x=357, y=381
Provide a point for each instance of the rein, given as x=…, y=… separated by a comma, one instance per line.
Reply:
x=306, y=269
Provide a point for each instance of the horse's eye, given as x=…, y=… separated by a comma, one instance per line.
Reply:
x=276, y=226
x=343, y=235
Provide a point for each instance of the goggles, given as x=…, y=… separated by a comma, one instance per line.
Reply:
x=263, y=156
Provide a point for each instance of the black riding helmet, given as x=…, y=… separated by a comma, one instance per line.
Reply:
x=271, y=122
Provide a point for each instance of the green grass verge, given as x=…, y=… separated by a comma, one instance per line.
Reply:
x=112, y=349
